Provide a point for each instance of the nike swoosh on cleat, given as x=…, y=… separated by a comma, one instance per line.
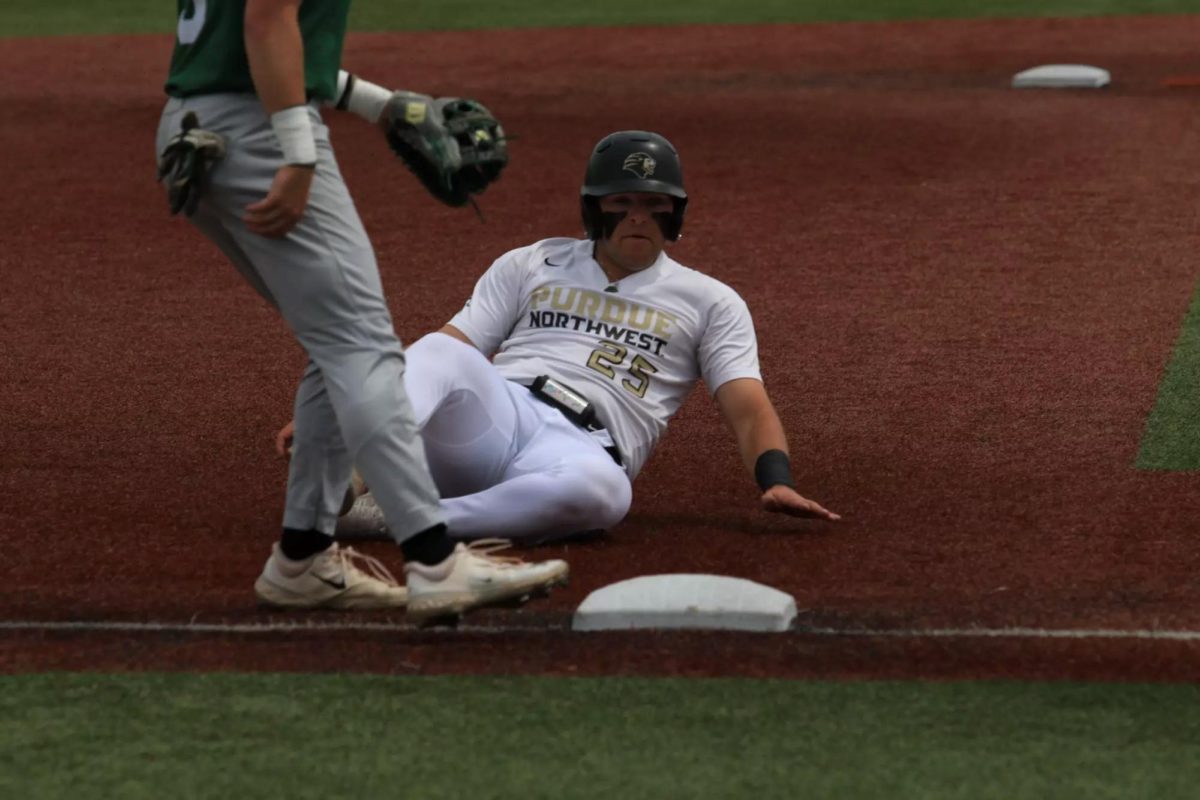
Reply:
x=338, y=584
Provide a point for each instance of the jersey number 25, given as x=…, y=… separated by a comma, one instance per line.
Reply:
x=610, y=355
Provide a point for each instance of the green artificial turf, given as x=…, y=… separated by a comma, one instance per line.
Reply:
x=1172, y=437
x=226, y=735
x=40, y=18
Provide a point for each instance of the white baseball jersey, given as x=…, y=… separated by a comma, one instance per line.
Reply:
x=634, y=348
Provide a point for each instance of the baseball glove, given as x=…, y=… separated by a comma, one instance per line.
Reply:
x=453, y=145
x=186, y=161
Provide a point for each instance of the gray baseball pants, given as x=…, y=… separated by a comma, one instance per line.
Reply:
x=351, y=407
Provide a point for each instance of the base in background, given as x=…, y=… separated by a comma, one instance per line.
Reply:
x=694, y=602
x=1061, y=76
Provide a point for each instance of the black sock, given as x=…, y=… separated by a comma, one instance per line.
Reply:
x=430, y=546
x=298, y=545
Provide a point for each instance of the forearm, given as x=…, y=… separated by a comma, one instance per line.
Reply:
x=764, y=448
x=759, y=433
x=763, y=444
x=360, y=97
x=275, y=52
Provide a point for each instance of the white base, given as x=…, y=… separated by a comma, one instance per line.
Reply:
x=693, y=602
x=1061, y=76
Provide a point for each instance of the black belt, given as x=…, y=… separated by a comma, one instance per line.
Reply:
x=574, y=406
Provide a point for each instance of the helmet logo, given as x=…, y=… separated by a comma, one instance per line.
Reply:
x=640, y=164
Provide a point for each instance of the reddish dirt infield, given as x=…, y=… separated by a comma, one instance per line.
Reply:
x=965, y=296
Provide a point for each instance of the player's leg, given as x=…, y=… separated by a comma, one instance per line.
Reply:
x=319, y=467
x=467, y=419
x=560, y=482
x=324, y=279
x=305, y=570
x=505, y=463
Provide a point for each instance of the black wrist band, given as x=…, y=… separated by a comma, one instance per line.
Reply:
x=344, y=101
x=772, y=469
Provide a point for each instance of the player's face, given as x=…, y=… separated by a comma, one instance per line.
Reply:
x=637, y=240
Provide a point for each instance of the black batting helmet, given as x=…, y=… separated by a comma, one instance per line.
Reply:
x=632, y=161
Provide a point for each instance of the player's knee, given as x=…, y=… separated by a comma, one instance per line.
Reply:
x=440, y=353
x=600, y=498
x=436, y=365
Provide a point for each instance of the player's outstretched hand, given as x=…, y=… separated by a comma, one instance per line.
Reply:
x=283, y=439
x=786, y=500
x=281, y=209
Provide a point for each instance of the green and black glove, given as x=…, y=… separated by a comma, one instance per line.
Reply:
x=454, y=146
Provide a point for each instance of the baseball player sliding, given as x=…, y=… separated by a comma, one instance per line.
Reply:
x=243, y=152
x=595, y=344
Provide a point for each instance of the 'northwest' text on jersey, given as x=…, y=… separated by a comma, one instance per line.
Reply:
x=635, y=353
x=210, y=54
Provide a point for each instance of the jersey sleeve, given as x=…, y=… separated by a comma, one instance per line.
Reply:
x=728, y=347
x=494, y=307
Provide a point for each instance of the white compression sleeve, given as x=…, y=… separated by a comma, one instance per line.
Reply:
x=363, y=98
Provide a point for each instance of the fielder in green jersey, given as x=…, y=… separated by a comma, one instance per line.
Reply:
x=210, y=53
x=244, y=151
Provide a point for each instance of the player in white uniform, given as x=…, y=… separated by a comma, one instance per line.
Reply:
x=612, y=334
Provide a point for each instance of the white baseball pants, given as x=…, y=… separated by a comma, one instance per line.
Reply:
x=506, y=463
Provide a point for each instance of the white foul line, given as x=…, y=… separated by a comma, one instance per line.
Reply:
x=1008, y=633
x=102, y=626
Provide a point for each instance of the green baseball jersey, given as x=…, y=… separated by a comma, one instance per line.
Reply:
x=210, y=54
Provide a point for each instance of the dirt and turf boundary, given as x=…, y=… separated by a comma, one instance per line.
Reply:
x=514, y=649
x=965, y=297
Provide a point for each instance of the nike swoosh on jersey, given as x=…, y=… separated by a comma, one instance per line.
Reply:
x=550, y=263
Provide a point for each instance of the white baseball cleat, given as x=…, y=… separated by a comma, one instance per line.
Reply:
x=338, y=577
x=473, y=576
x=364, y=520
